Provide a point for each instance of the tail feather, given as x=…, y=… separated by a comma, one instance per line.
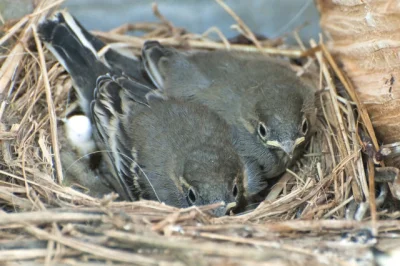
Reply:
x=65, y=39
x=77, y=51
x=128, y=65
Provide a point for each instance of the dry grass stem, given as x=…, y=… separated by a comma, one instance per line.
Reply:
x=50, y=106
x=328, y=194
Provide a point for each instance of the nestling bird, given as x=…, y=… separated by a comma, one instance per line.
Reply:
x=76, y=145
x=271, y=109
x=160, y=148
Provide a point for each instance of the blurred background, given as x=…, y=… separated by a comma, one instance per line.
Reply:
x=271, y=18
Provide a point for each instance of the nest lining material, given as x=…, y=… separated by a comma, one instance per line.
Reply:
x=43, y=221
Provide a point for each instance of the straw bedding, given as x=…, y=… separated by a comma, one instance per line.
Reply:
x=326, y=211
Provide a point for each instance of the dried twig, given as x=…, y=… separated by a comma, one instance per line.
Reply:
x=50, y=106
x=77, y=226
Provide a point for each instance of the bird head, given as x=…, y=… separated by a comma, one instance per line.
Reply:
x=287, y=129
x=283, y=122
x=213, y=179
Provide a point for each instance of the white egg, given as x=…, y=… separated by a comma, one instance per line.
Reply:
x=79, y=132
x=391, y=258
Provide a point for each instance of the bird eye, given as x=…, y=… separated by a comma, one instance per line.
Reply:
x=191, y=196
x=304, y=126
x=235, y=190
x=262, y=130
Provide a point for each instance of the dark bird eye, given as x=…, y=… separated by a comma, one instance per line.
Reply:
x=304, y=126
x=262, y=130
x=235, y=190
x=192, y=196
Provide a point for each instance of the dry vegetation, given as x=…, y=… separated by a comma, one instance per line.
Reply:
x=303, y=220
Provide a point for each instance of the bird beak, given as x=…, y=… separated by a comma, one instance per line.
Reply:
x=230, y=206
x=223, y=208
x=289, y=146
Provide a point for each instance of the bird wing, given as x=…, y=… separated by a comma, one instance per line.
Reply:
x=171, y=70
x=113, y=95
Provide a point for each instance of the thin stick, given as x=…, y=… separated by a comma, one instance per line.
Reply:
x=137, y=42
x=43, y=217
x=372, y=199
x=341, y=205
x=206, y=248
x=338, y=115
x=27, y=254
x=246, y=30
x=46, y=8
x=163, y=19
x=99, y=251
x=50, y=106
x=146, y=27
x=17, y=53
x=268, y=244
x=300, y=226
x=220, y=35
x=13, y=30
x=353, y=95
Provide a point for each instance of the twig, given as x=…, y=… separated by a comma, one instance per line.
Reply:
x=16, y=54
x=341, y=205
x=13, y=30
x=220, y=35
x=50, y=106
x=206, y=248
x=43, y=217
x=136, y=42
x=175, y=31
x=372, y=199
x=99, y=251
x=28, y=254
x=353, y=95
x=147, y=27
x=242, y=26
x=267, y=244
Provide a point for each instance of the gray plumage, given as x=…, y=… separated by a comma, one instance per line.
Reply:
x=175, y=148
x=160, y=148
x=270, y=108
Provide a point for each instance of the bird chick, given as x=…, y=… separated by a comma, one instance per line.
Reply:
x=76, y=145
x=78, y=131
x=165, y=149
x=160, y=148
x=269, y=108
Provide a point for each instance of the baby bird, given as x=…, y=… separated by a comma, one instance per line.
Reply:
x=160, y=148
x=76, y=145
x=269, y=108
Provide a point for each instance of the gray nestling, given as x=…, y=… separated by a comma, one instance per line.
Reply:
x=271, y=109
x=160, y=148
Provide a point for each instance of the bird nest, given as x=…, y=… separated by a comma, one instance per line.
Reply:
x=314, y=214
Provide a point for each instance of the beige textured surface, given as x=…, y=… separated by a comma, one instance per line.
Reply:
x=365, y=37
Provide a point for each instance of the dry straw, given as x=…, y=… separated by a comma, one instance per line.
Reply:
x=302, y=220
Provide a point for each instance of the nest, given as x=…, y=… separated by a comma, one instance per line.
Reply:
x=314, y=214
